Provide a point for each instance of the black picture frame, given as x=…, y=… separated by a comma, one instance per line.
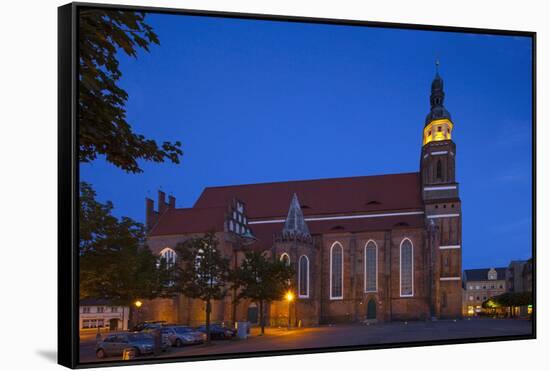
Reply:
x=68, y=175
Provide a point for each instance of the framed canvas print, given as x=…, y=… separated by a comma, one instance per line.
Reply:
x=237, y=185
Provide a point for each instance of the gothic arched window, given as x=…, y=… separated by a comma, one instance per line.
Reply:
x=406, y=268
x=371, y=267
x=168, y=256
x=438, y=171
x=285, y=259
x=303, y=277
x=336, y=271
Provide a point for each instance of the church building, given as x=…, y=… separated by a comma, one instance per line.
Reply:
x=367, y=248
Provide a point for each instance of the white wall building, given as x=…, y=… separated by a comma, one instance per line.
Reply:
x=102, y=314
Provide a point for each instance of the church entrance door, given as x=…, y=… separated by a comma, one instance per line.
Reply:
x=371, y=309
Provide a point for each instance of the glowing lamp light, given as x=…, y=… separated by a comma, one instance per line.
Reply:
x=289, y=296
x=138, y=304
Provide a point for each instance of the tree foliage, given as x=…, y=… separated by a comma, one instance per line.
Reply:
x=103, y=128
x=114, y=262
x=262, y=279
x=508, y=299
x=203, y=272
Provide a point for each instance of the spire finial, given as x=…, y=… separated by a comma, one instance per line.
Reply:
x=437, y=65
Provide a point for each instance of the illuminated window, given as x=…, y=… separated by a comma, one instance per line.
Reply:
x=336, y=271
x=370, y=267
x=114, y=309
x=303, y=277
x=92, y=323
x=86, y=310
x=406, y=268
x=99, y=309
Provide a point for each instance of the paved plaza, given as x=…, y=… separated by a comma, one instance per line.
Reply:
x=343, y=335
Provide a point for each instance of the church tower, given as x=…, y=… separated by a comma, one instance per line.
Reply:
x=442, y=206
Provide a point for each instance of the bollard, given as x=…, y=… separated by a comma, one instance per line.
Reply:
x=128, y=354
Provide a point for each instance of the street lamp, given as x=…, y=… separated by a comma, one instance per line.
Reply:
x=289, y=297
x=138, y=305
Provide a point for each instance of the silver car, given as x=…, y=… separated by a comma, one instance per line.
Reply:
x=183, y=335
x=114, y=344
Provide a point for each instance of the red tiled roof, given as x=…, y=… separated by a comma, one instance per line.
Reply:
x=321, y=196
x=317, y=197
x=193, y=220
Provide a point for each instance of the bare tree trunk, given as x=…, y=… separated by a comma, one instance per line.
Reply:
x=262, y=322
x=208, y=310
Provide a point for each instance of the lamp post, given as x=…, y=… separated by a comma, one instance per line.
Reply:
x=289, y=297
x=138, y=305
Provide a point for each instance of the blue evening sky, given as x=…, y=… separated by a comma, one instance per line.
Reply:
x=258, y=101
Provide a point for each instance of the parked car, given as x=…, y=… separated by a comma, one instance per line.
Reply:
x=218, y=331
x=148, y=325
x=114, y=344
x=183, y=335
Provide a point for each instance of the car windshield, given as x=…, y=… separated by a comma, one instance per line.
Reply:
x=181, y=330
x=139, y=336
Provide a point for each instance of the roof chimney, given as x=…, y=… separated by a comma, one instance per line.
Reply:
x=150, y=213
x=171, y=202
x=162, y=202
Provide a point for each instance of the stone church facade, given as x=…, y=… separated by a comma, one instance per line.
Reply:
x=372, y=248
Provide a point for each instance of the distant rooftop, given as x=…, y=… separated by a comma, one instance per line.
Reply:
x=482, y=274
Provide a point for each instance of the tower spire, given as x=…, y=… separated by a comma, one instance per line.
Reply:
x=295, y=223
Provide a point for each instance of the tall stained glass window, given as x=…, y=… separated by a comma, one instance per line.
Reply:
x=370, y=267
x=406, y=268
x=303, y=277
x=336, y=271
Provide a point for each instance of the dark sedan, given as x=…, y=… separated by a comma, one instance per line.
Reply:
x=217, y=331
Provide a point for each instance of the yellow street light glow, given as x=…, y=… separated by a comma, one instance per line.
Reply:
x=138, y=304
x=289, y=296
